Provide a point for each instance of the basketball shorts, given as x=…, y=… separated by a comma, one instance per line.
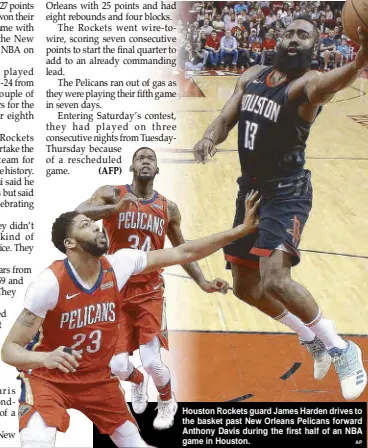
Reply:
x=143, y=315
x=98, y=395
x=284, y=210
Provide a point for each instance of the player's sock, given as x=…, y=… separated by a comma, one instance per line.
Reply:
x=165, y=391
x=326, y=332
x=295, y=324
x=135, y=377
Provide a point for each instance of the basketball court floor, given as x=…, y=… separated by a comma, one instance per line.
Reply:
x=221, y=348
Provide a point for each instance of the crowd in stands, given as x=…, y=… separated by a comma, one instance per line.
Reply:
x=240, y=34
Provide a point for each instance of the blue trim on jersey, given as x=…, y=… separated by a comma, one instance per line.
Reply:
x=149, y=201
x=22, y=397
x=76, y=282
x=34, y=341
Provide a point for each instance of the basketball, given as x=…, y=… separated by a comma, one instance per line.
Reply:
x=355, y=14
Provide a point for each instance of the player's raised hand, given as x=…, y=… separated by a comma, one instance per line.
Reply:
x=203, y=149
x=126, y=201
x=217, y=285
x=361, y=59
x=59, y=359
x=251, y=219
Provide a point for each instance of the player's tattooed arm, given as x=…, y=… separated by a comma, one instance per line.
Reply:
x=176, y=238
x=218, y=131
x=25, y=330
x=103, y=203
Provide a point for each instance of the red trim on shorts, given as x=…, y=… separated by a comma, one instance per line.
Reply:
x=261, y=252
x=242, y=261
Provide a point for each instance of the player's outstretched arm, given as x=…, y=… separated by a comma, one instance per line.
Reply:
x=195, y=250
x=321, y=89
x=14, y=352
x=106, y=202
x=218, y=131
x=192, y=269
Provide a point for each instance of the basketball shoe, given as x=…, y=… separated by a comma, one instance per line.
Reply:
x=350, y=370
x=139, y=393
x=322, y=360
x=166, y=413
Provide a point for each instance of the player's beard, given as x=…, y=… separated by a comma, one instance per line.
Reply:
x=293, y=65
x=93, y=248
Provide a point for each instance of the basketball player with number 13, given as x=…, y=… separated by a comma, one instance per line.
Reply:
x=276, y=107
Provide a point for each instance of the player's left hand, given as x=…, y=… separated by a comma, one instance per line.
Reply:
x=361, y=59
x=217, y=285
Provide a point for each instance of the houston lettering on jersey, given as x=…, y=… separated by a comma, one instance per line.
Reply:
x=89, y=315
x=261, y=106
x=141, y=221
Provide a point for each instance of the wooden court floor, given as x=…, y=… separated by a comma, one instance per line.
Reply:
x=221, y=348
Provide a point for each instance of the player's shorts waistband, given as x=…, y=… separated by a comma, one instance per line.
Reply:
x=247, y=181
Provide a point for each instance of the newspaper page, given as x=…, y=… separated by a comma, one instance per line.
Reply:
x=132, y=114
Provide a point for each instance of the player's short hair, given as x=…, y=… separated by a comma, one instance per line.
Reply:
x=61, y=229
x=140, y=149
x=316, y=32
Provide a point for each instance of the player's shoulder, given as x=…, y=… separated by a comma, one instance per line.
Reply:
x=107, y=191
x=250, y=74
x=45, y=282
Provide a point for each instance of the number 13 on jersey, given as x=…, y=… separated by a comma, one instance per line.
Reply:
x=250, y=134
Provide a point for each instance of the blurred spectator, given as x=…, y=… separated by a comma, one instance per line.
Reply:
x=322, y=25
x=256, y=50
x=200, y=16
x=328, y=13
x=244, y=51
x=202, y=39
x=315, y=14
x=239, y=26
x=218, y=24
x=328, y=48
x=271, y=18
x=338, y=33
x=196, y=59
x=206, y=28
x=268, y=50
x=342, y=53
x=229, y=46
x=252, y=35
x=213, y=48
x=230, y=24
x=287, y=19
x=241, y=6
x=193, y=33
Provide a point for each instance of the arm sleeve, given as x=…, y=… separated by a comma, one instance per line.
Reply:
x=127, y=262
x=42, y=294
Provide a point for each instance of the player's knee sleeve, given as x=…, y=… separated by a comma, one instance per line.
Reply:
x=37, y=434
x=151, y=361
x=121, y=366
x=127, y=435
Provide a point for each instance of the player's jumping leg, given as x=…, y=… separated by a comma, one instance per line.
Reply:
x=127, y=436
x=37, y=434
x=122, y=367
x=152, y=363
x=247, y=287
x=346, y=356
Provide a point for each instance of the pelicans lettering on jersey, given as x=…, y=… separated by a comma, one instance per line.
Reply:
x=86, y=321
x=82, y=319
x=143, y=307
